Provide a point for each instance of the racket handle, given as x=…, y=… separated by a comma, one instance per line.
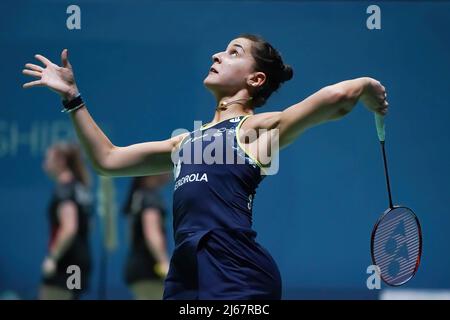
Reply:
x=379, y=122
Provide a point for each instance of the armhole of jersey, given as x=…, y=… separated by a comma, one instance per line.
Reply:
x=242, y=147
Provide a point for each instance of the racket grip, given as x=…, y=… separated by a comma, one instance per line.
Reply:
x=379, y=122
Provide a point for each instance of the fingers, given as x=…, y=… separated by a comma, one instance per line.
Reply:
x=65, y=59
x=382, y=94
x=43, y=59
x=385, y=102
x=383, y=110
x=32, y=73
x=34, y=67
x=382, y=100
x=37, y=83
x=379, y=103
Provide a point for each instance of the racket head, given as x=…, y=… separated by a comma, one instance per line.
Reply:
x=396, y=245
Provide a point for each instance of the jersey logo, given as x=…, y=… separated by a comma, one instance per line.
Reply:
x=236, y=119
x=193, y=177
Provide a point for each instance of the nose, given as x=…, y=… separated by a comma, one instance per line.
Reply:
x=216, y=57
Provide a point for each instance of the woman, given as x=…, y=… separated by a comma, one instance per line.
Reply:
x=216, y=255
x=69, y=213
x=147, y=262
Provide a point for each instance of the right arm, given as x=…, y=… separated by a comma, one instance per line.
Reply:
x=68, y=221
x=106, y=158
x=154, y=238
x=134, y=160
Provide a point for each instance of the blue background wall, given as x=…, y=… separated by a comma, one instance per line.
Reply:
x=140, y=67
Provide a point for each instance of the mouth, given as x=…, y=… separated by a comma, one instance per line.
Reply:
x=213, y=70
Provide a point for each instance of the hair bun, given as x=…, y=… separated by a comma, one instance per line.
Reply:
x=287, y=73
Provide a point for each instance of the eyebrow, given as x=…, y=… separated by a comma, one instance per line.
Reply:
x=238, y=45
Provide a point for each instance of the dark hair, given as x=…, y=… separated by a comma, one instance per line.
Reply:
x=269, y=61
x=74, y=161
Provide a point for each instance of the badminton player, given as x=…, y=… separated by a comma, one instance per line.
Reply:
x=69, y=214
x=216, y=254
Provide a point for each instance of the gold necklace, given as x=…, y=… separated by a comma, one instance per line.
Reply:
x=223, y=105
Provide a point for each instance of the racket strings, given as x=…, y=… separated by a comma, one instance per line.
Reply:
x=396, y=245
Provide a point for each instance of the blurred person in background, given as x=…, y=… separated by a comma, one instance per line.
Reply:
x=147, y=263
x=69, y=213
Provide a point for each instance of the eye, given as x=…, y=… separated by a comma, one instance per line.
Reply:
x=234, y=52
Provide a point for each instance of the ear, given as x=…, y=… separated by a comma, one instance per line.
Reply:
x=256, y=79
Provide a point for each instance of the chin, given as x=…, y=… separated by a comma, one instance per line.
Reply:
x=207, y=80
x=210, y=84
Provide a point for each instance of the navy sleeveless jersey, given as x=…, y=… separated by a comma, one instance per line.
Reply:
x=216, y=255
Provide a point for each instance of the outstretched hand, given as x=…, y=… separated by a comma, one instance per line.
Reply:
x=59, y=79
